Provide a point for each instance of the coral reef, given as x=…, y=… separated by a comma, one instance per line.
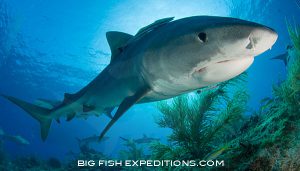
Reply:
x=30, y=163
x=54, y=163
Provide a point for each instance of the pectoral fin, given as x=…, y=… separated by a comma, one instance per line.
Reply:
x=124, y=106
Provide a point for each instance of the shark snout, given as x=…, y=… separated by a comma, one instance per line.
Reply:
x=261, y=39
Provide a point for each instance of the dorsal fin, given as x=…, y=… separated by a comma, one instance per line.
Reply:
x=154, y=25
x=116, y=41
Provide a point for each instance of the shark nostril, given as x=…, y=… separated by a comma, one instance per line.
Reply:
x=251, y=44
x=202, y=37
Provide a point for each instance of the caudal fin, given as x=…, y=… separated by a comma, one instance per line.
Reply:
x=39, y=113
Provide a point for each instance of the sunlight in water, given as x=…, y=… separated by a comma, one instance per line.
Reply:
x=129, y=16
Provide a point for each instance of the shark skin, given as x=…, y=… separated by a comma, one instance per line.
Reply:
x=163, y=60
x=52, y=103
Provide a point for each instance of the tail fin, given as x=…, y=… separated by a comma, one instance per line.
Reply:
x=39, y=113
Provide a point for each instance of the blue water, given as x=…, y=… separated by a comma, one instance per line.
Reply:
x=53, y=46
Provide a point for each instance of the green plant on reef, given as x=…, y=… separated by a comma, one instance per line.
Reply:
x=202, y=123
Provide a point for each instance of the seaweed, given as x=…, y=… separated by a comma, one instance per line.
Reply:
x=202, y=124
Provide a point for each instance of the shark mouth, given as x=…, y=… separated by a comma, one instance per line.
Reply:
x=222, y=62
x=204, y=68
x=223, y=70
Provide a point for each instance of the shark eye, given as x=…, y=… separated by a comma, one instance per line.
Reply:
x=202, y=37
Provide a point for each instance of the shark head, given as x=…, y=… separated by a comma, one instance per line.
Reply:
x=227, y=48
x=199, y=51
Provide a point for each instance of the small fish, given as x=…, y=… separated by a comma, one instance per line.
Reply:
x=90, y=140
x=266, y=104
x=283, y=57
x=289, y=47
x=17, y=139
x=264, y=100
x=13, y=138
x=143, y=140
x=217, y=153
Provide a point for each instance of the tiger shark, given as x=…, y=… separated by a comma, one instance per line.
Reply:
x=162, y=60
